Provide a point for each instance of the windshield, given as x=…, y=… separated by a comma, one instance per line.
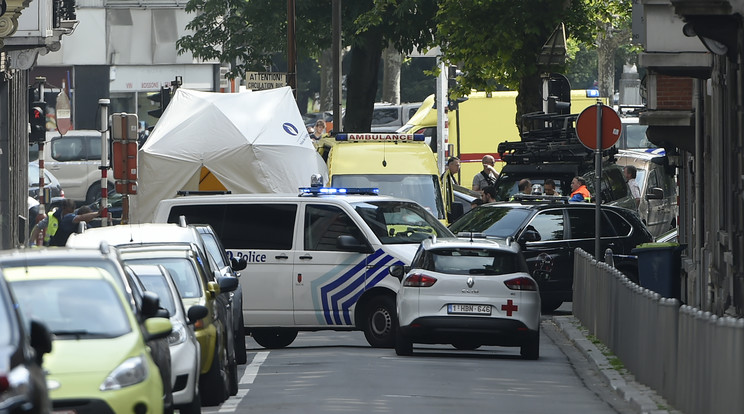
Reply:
x=158, y=284
x=74, y=307
x=508, y=185
x=635, y=136
x=400, y=222
x=423, y=189
x=213, y=248
x=492, y=221
x=181, y=269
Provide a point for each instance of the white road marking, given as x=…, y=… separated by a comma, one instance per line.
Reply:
x=231, y=404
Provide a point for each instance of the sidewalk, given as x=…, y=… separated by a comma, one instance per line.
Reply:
x=641, y=398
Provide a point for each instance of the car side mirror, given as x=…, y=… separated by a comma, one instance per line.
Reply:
x=158, y=328
x=352, y=244
x=655, y=193
x=530, y=235
x=238, y=264
x=227, y=283
x=196, y=312
x=41, y=340
x=399, y=271
x=150, y=304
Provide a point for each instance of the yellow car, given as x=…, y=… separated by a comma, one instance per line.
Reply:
x=99, y=360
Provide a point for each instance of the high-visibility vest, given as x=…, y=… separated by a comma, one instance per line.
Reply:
x=584, y=192
x=52, y=225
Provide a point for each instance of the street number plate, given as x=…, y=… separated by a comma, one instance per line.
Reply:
x=470, y=309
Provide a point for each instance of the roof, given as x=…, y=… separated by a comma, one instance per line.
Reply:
x=47, y=272
x=133, y=233
x=238, y=198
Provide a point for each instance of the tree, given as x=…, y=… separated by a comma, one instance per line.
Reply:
x=248, y=33
x=498, y=42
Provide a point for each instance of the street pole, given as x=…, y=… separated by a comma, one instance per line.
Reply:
x=336, y=51
x=40, y=157
x=598, y=183
x=104, y=106
x=291, y=48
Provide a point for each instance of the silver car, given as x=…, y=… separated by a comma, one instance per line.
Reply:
x=184, y=348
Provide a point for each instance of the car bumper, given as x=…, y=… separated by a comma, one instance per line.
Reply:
x=185, y=371
x=485, y=331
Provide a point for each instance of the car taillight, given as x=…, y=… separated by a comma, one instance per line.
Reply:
x=419, y=280
x=521, y=283
x=199, y=324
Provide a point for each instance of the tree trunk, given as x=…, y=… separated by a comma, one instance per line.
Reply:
x=529, y=98
x=607, y=44
x=326, y=80
x=392, y=60
x=361, y=82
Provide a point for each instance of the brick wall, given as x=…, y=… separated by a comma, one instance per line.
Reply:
x=673, y=93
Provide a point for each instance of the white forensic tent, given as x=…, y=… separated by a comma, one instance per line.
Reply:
x=253, y=142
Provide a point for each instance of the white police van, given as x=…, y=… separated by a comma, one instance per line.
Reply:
x=317, y=260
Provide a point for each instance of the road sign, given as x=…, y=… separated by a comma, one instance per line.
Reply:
x=586, y=127
x=62, y=110
x=258, y=81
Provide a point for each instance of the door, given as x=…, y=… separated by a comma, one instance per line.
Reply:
x=549, y=259
x=655, y=218
x=582, y=233
x=327, y=280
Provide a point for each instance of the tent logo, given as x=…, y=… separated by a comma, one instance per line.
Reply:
x=290, y=129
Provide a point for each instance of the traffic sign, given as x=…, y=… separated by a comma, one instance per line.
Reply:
x=63, y=112
x=586, y=127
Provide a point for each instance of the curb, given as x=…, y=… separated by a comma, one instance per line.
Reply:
x=642, y=399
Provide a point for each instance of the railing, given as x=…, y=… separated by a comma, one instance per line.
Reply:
x=694, y=359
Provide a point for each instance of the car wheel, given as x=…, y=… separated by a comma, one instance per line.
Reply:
x=274, y=338
x=466, y=346
x=380, y=320
x=531, y=349
x=403, y=345
x=240, y=355
x=194, y=407
x=549, y=305
x=213, y=383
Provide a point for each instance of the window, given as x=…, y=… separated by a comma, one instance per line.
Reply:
x=244, y=226
x=474, y=261
x=582, y=224
x=382, y=116
x=324, y=224
x=549, y=224
x=621, y=226
x=68, y=149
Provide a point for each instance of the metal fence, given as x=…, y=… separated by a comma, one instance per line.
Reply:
x=694, y=359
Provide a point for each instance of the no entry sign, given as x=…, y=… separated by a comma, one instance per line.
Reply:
x=586, y=127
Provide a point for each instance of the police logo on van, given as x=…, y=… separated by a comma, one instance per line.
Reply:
x=290, y=129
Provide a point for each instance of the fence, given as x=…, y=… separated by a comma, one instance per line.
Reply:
x=694, y=359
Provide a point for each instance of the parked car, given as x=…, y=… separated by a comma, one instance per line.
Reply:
x=468, y=292
x=52, y=187
x=160, y=233
x=75, y=158
x=549, y=230
x=22, y=349
x=100, y=361
x=184, y=347
x=143, y=304
x=228, y=267
x=387, y=117
x=657, y=181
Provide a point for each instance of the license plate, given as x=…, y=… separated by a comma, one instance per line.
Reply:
x=471, y=309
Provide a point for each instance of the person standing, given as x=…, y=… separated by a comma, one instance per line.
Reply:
x=525, y=186
x=61, y=222
x=549, y=187
x=579, y=190
x=630, y=172
x=449, y=181
x=489, y=194
x=319, y=130
x=487, y=176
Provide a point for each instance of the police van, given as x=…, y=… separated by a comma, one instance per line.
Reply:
x=317, y=260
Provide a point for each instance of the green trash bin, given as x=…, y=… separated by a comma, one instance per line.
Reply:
x=659, y=267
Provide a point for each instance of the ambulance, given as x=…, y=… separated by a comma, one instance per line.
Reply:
x=482, y=121
x=400, y=165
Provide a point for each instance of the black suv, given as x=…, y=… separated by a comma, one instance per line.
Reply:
x=549, y=230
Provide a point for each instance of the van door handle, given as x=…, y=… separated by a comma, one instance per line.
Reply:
x=306, y=257
x=281, y=256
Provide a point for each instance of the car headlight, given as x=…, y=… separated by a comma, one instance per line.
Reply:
x=130, y=372
x=178, y=335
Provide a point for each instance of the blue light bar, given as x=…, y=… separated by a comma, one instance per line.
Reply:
x=592, y=93
x=338, y=191
x=372, y=137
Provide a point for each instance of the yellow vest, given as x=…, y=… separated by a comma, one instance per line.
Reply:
x=52, y=225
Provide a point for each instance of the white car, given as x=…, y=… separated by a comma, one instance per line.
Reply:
x=184, y=348
x=468, y=292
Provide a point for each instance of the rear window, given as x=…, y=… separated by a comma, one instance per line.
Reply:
x=470, y=261
x=382, y=116
x=492, y=221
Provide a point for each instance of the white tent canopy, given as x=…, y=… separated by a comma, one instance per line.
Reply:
x=253, y=142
